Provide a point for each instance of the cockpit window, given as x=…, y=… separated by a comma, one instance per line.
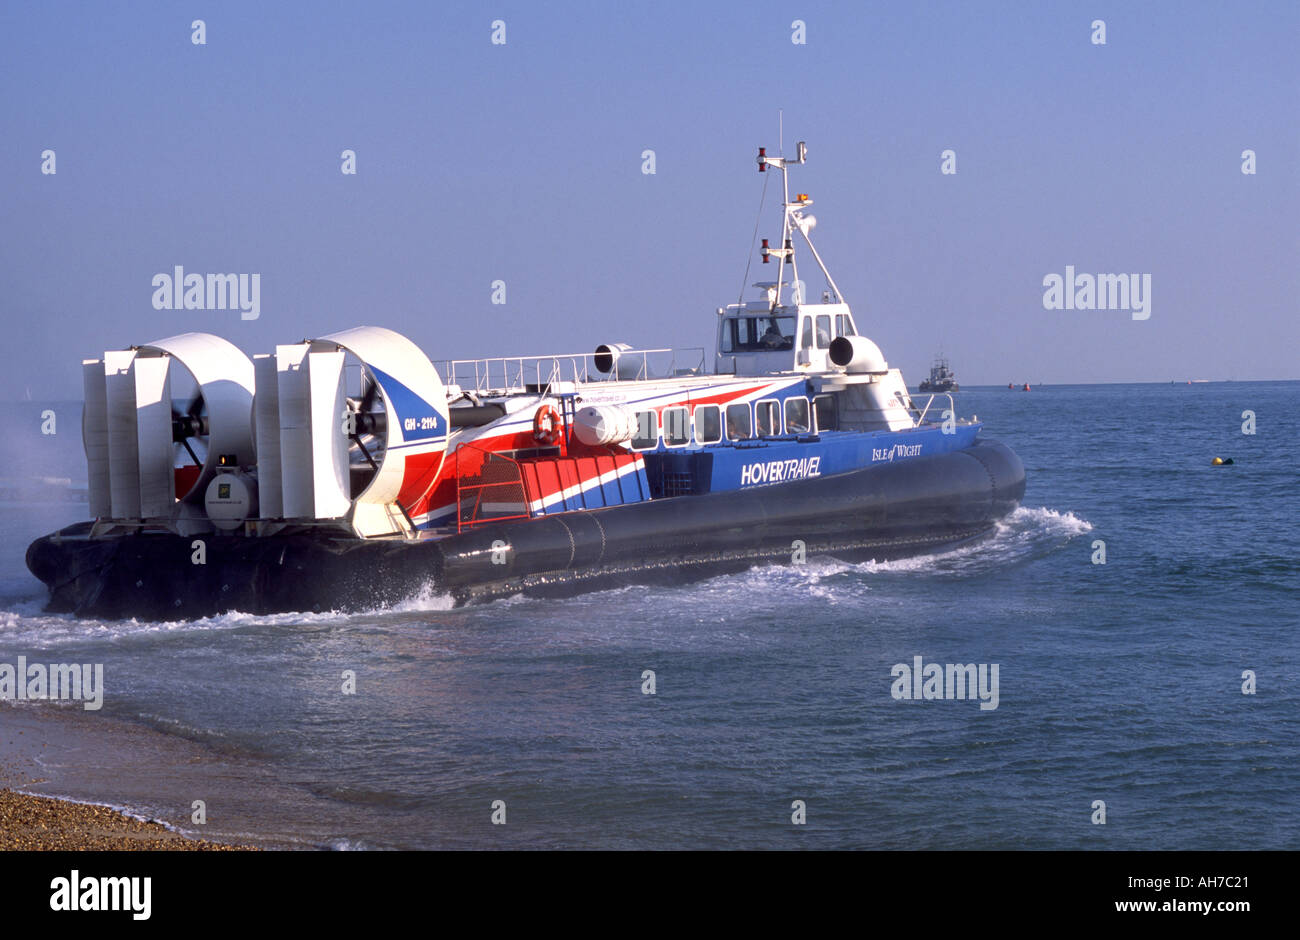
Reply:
x=843, y=325
x=757, y=334
x=823, y=331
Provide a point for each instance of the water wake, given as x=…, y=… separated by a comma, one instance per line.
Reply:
x=1026, y=534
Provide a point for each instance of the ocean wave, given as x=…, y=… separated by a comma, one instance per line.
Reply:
x=27, y=624
x=1026, y=533
x=425, y=598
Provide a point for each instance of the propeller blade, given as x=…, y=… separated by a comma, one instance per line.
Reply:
x=368, y=398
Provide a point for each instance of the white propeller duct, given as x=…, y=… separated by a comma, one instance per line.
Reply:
x=369, y=457
x=133, y=430
x=313, y=451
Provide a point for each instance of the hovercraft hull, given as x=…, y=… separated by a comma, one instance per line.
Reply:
x=891, y=510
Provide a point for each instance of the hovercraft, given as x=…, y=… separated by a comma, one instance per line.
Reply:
x=348, y=471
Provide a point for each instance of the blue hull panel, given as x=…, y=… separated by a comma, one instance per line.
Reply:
x=737, y=465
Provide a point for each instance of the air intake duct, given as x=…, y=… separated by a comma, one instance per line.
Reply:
x=857, y=354
x=620, y=360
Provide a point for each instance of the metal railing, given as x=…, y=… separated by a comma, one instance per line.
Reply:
x=516, y=374
x=952, y=408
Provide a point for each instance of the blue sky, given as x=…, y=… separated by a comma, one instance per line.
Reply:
x=522, y=162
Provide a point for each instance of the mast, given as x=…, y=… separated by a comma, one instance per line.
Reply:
x=793, y=218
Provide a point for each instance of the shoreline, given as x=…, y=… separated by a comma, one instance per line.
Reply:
x=30, y=739
x=31, y=823
x=71, y=780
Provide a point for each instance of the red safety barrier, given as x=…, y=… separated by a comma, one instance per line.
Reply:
x=489, y=487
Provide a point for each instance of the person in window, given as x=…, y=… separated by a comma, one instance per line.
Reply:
x=772, y=339
x=737, y=430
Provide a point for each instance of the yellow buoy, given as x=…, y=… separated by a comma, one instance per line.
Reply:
x=1217, y=461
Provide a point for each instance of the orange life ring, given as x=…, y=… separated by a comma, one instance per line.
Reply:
x=546, y=425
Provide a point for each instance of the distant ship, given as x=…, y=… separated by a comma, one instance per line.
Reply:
x=941, y=377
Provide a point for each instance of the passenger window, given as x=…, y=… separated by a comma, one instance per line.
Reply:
x=647, y=431
x=677, y=427
x=823, y=331
x=805, y=341
x=769, y=418
x=825, y=410
x=708, y=424
x=796, y=416
x=738, y=426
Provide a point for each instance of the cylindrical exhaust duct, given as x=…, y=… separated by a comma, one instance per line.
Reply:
x=621, y=360
x=857, y=354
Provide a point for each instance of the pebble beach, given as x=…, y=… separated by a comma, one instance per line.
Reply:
x=43, y=824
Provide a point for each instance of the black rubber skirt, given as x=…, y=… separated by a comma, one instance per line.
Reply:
x=886, y=511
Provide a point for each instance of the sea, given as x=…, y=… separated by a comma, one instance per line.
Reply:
x=1139, y=613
